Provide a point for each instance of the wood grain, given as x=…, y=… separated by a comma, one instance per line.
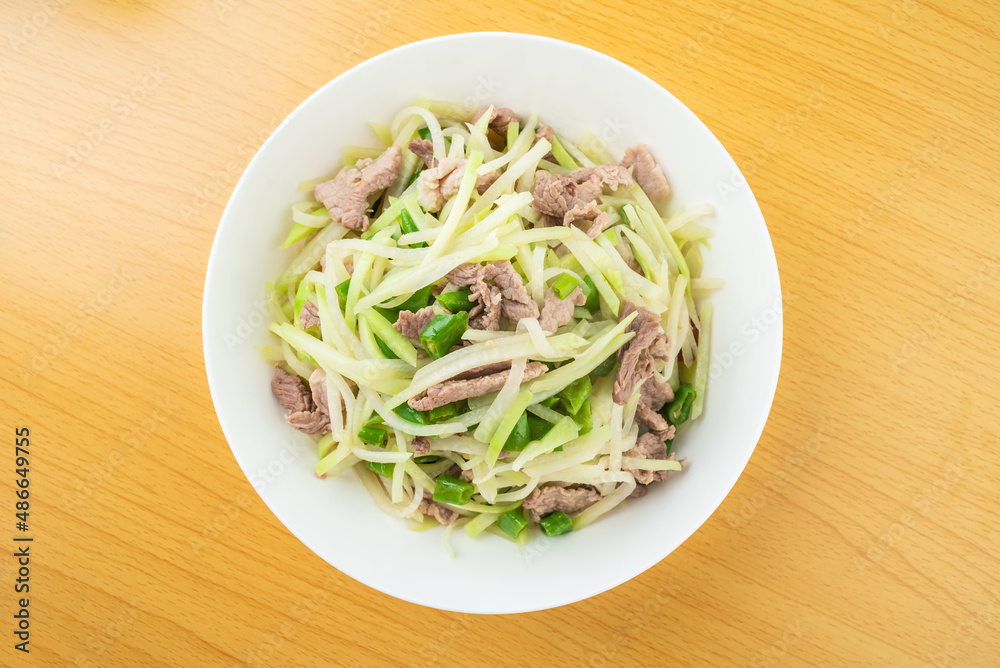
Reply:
x=864, y=531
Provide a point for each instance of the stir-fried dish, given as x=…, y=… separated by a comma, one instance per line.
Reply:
x=494, y=327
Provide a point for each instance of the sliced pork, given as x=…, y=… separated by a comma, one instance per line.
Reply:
x=346, y=195
x=455, y=390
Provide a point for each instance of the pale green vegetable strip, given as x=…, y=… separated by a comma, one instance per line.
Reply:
x=607, y=503
x=484, y=352
x=685, y=216
x=487, y=487
x=337, y=456
x=561, y=433
x=584, y=363
x=643, y=254
x=376, y=374
x=354, y=153
x=657, y=223
x=306, y=213
x=461, y=203
x=382, y=249
x=387, y=217
x=576, y=153
x=367, y=338
x=594, y=148
x=537, y=235
x=580, y=450
x=473, y=507
x=420, y=478
x=410, y=279
x=590, y=267
x=459, y=112
x=507, y=179
x=546, y=413
x=650, y=464
x=702, y=360
x=674, y=315
x=561, y=156
x=502, y=404
x=437, y=139
x=518, y=148
x=383, y=456
x=382, y=132
x=361, y=268
x=396, y=342
x=479, y=523
x=506, y=426
x=309, y=256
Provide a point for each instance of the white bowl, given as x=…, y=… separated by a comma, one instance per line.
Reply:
x=573, y=89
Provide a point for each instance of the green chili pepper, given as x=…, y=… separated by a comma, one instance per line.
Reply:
x=456, y=301
x=564, y=285
x=442, y=332
x=680, y=408
x=449, y=489
x=382, y=468
x=605, y=367
x=556, y=523
x=373, y=435
x=512, y=522
x=575, y=394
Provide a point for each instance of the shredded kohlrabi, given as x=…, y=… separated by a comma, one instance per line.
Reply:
x=466, y=391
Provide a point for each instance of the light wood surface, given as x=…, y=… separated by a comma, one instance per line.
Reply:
x=864, y=531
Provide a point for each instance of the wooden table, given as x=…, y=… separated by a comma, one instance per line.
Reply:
x=864, y=530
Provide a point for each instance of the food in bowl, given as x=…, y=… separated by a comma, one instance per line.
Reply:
x=493, y=326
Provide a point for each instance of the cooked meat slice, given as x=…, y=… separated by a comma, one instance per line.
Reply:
x=484, y=181
x=290, y=391
x=483, y=370
x=655, y=393
x=454, y=390
x=550, y=498
x=639, y=491
x=557, y=312
x=613, y=176
x=646, y=172
x=499, y=119
x=438, y=184
x=645, y=415
x=486, y=314
x=650, y=445
x=442, y=514
x=309, y=316
x=557, y=195
x=309, y=422
x=466, y=475
x=507, y=295
x=545, y=220
x=635, y=363
x=411, y=323
x=517, y=303
x=317, y=383
x=660, y=349
x=548, y=134
x=545, y=132
x=423, y=149
x=589, y=212
x=465, y=275
x=346, y=195
x=420, y=445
